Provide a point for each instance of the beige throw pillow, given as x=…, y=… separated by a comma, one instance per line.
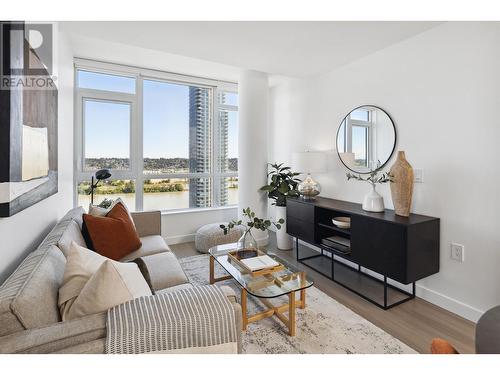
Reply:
x=81, y=265
x=113, y=284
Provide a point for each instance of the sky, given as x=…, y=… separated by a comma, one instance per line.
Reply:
x=165, y=119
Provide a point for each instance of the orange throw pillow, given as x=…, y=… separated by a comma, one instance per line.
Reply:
x=440, y=346
x=114, y=235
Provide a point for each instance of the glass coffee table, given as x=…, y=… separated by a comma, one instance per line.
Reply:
x=286, y=281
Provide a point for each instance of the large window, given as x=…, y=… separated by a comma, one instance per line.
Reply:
x=171, y=142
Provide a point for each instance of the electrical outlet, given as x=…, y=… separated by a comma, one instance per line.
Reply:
x=418, y=175
x=457, y=252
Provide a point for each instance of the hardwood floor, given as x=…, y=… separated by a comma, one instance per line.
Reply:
x=415, y=322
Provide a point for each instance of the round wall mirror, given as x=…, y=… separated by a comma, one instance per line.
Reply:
x=366, y=139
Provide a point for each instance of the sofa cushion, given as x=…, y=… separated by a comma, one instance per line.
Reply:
x=174, y=288
x=112, y=284
x=56, y=233
x=15, y=285
x=150, y=245
x=161, y=270
x=114, y=235
x=72, y=233
x=31, y=292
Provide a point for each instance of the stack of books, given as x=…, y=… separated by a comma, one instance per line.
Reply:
x=337, y=243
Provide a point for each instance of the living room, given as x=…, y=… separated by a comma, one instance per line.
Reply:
x=248, y=185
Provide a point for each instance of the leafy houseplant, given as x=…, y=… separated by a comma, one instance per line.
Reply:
x=247, y=241
x=283, y=183
x=373, y=201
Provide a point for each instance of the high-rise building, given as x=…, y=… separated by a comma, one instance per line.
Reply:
x=223, y=151
x=200, y=148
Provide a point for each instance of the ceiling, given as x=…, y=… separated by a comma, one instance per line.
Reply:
x=295, y=49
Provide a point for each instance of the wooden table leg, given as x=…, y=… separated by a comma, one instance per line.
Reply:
x=244, y=318
x=212, y=277
x=291, y=313
x=303, y=299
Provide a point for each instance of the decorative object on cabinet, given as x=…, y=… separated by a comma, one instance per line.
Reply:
x=372, y=201
x=343, y=222
x=403, y=249
x=366, y=139
x=247, y=241
x=309, y=162
x=282, y=184
x=401, y=185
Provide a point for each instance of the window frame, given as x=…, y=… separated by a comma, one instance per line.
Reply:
x=350, y=123
x=136, y=171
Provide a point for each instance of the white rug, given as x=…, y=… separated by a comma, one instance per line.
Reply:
x=324, y=326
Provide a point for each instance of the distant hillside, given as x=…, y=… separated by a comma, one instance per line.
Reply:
x=161, y=164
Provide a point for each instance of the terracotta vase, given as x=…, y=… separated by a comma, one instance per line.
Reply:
x=402, y=185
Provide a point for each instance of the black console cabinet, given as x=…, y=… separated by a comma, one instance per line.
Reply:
x=380, y=247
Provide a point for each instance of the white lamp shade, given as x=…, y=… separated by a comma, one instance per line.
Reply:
x=309, y=162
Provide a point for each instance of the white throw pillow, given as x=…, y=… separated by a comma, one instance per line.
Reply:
x=101, y=211
x=114, y=283
x=81, y=265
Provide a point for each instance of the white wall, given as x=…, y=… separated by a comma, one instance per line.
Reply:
x=441, y=88
x=21, y=233
x=182, y=226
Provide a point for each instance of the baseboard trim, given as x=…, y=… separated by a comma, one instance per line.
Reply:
x=465, y=311
x=174, y=240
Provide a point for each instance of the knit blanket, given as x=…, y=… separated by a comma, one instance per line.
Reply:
x=180, y=321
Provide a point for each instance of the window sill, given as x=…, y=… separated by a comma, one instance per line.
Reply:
x=195, y=210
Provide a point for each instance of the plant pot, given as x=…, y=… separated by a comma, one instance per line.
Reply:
x=373, y=201
x=283, y=239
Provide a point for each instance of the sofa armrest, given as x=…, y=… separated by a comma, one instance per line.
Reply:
x=56, y=337
x=231, y=296
x=147, y=223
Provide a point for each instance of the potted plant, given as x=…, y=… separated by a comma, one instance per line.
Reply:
x=282, y=184
x=373, y=201
x=247, y=241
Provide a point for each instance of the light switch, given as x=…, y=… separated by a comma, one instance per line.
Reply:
x=418, y=175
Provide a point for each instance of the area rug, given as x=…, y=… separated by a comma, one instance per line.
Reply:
x=324, y=326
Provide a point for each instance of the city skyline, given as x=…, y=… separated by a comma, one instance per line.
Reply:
x=166, y=113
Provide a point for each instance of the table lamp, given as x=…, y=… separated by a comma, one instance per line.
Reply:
x=309, y=162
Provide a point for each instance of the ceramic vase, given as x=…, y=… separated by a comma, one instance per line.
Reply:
x=402, y=185
x=283, y=239
x=373, y=201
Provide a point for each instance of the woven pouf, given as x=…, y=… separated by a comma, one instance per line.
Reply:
x=212, y=235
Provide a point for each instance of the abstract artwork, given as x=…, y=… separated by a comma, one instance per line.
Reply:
x=28, y=131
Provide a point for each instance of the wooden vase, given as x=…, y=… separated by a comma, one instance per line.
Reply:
x=402, y=185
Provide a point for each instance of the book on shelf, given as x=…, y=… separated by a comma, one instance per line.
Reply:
x=259, y=263
x=337, y=240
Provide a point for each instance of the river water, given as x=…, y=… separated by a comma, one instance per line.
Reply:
x=154, y=201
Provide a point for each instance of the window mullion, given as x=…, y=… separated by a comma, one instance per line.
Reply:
x=138, y=142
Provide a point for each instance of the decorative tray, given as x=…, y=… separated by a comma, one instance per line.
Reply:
x=237, y=256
